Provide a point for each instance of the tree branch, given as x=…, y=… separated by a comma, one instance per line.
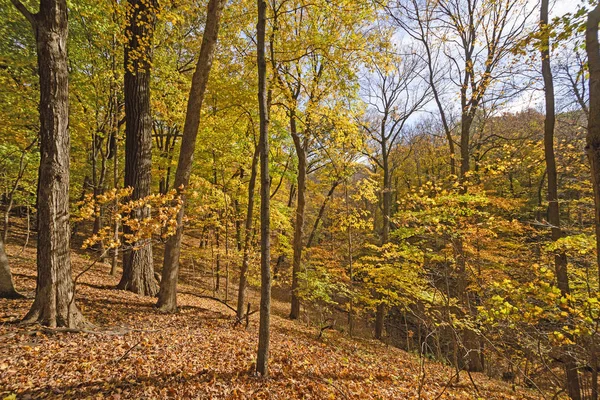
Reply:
x=23, y=10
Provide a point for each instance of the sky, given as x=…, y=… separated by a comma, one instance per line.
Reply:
x=561, y=7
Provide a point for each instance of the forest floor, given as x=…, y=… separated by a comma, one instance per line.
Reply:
x=135, y=352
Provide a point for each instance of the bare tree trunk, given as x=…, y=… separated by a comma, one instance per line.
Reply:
x=264, y=330
x=54, y=303
x=247, y=235
x=313, y=233
x=385, y=237
x=7, y=287
x=465, y=131
x=167, y=297
x=560, y=260
x=138, y=266
x=299, y=222
x=593, y=133
x=11, y=194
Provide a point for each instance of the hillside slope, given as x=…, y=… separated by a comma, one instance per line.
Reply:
x=136, y=352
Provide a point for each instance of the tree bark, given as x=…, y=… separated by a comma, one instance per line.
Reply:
x=7, y=287
x=54, y=303
x=247, y=236
x=299, y=222
x=264, y=330
x=593, y=128
x=138, y=266
x=167, y=297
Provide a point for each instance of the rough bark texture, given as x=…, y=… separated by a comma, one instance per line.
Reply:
x=167, y=296
x=264, y=330
x=299, y=222
x=138, y=267
x=7, y=287
x=54, y=303
x=247, y=236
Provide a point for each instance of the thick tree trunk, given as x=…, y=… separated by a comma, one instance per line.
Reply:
x=264, y=330
x=167, y=297
x=138, y=267
x=299, y=222
x=7, y=287
x=241, y=302
x=54, y=303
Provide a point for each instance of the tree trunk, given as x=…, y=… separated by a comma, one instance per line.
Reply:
x=167, y=297
x=560, y=260
x=138, y=267
x=593, y=132
x=465, y=131
x=385, y=236
x=247, y=235
x=264, y=332
x=299, y=222
x=313, y=233
x=54, y=303
x=7, y=287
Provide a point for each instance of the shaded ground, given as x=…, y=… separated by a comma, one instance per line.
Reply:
x=198, y=353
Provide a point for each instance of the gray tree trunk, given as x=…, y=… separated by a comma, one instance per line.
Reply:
x=54, y=303
x=7, y=287
x=299, y=222
x=264, y=330
x=167, y=296
x=247, y=236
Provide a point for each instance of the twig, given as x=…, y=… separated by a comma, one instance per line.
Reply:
x=129, y=350
x=447, y=385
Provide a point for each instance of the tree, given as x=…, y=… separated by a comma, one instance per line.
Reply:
x=560, y=259
x=167, y=296
x=138, y=267
x=264, y=330
x=54, y=303
x=247, y=236
x=395, y=94
x=7, y=287
x=593, y=130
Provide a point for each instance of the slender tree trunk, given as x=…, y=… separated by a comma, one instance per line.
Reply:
x=350, y=260
x=167, y=297
x=138, y=266
x=560, y=260
x=7, y=287
x=299, y=222
x=465, y=131
x=54, y=303
x=264, y=332
x=241, y=302
x=11, y=193
x=313, y=233
x=593, y=132
x=385, y=236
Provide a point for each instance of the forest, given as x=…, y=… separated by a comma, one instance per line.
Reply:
x=312, y=199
